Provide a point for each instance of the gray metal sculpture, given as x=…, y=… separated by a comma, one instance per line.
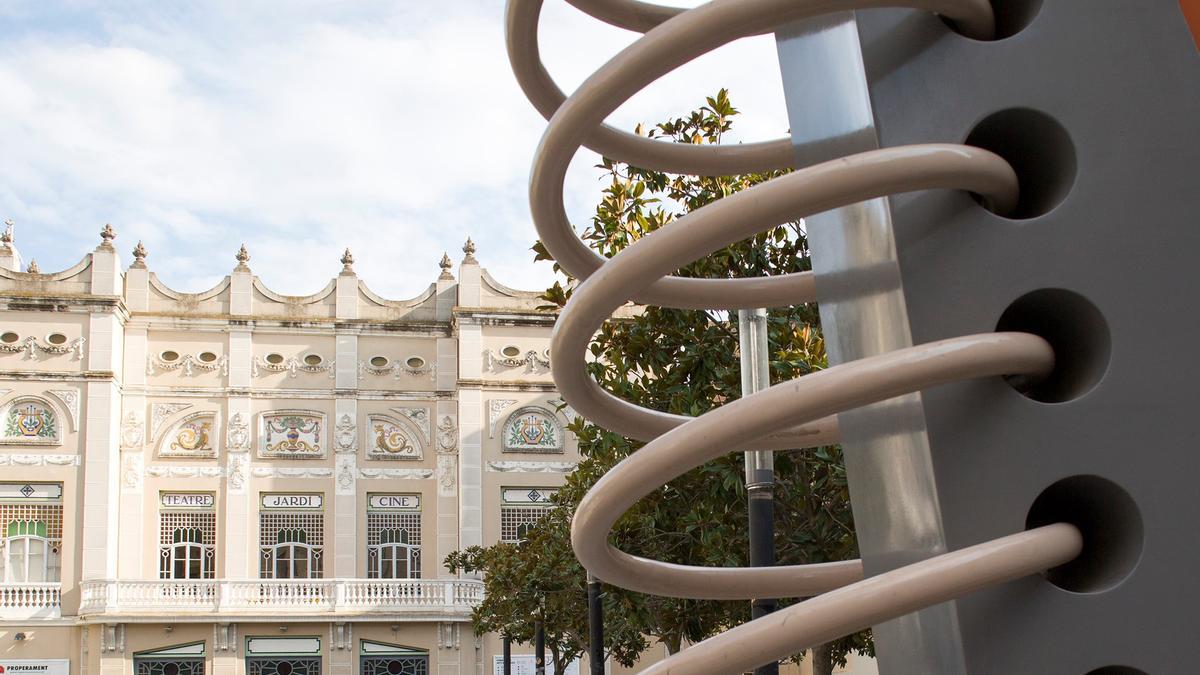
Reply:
x=1036, y=148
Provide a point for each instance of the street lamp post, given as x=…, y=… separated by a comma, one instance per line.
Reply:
x=595, y=625
x=760, y=464
x=539, y=648
x=507, y=655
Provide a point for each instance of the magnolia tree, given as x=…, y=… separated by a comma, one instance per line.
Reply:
x=684, y=362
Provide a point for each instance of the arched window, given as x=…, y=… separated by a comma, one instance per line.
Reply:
x=29, y=555
x=294, y=557
x=187, y=546
x=395, y=556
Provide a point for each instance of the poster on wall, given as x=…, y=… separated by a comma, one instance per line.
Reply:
x=35, y=666
x=522, y=664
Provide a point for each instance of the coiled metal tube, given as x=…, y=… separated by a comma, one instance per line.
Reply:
x=792, y=414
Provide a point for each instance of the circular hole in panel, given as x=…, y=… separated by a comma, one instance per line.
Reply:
x=284, y=668
x=395, y=668
x=1111, y=526
x=1039, y=150
x=9, y=337
x=275, y=359
x=1012, y=16
x=379, y=361
x=1076, y=330
x=511, y=351
x=313, y=360
x=171, y=669
x=207, y=357
x=169, y=356
x=1116, y=670
x=415, y=362
x=56, y=339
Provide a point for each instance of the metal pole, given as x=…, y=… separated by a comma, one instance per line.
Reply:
x=539, y=648
x=760, y=464
x=595, y=625
x=507, y=655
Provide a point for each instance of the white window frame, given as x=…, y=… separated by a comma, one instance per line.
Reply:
x=410, y=552
x=14, y=560
x=310, y=555
x=205, y=555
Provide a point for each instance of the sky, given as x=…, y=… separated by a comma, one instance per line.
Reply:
x=302, y=127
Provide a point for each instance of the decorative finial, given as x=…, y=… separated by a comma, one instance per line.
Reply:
x=469, y=249
x=33, y=268
x=347, y=261
x=446, y=264
x=6, y=238
x=139, y=255
x=243, y=256
x=107, y=235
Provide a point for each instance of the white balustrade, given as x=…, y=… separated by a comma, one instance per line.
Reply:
x=30, y=600
x=259, y=596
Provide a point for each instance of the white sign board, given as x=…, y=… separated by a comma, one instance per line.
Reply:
x=187, y=500
x=523, y=664
x=527, y=495
x=393, y=502
x=31, y=491
x=292, y=501
x=34, y=666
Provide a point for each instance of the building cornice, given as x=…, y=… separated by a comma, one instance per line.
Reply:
x=490, y=316
x=224, y=322
x=502, y=385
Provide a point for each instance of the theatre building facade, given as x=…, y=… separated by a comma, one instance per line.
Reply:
x=242, y=482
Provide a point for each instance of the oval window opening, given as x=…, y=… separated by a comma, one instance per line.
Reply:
x=208, y=357
x=313, y=360
x=275, y=359
x=415, y=362
x=379, y=361
x=9, y=337
x=511, y=351
x=56, y=338
x=169, y=356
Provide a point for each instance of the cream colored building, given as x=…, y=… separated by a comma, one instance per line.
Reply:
x=242, y=482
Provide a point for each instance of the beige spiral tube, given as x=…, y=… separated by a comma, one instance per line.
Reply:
x=789, y=415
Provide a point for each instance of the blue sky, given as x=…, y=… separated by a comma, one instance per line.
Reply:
x=302, y=128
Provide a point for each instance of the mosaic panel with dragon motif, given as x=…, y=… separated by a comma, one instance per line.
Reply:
x=390, y=439
x=193, y=437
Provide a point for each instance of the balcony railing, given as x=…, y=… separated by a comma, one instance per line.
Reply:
x=30, y=600
x=443, y=597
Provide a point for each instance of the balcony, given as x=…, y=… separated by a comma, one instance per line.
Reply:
x=267, y=599
x=30, y=600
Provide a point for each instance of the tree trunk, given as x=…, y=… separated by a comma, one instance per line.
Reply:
x=822, y=658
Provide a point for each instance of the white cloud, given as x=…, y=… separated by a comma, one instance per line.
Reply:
x=385, y=127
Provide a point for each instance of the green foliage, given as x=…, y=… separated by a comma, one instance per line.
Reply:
x=683, y=362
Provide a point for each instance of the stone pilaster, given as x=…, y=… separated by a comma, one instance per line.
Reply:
x=240, y=544
x=133, y=441
x=101, y=455
x=446, y=442
x=345, y=499
x=470, y=420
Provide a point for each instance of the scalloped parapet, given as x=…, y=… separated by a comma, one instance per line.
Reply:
x=243, y=295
